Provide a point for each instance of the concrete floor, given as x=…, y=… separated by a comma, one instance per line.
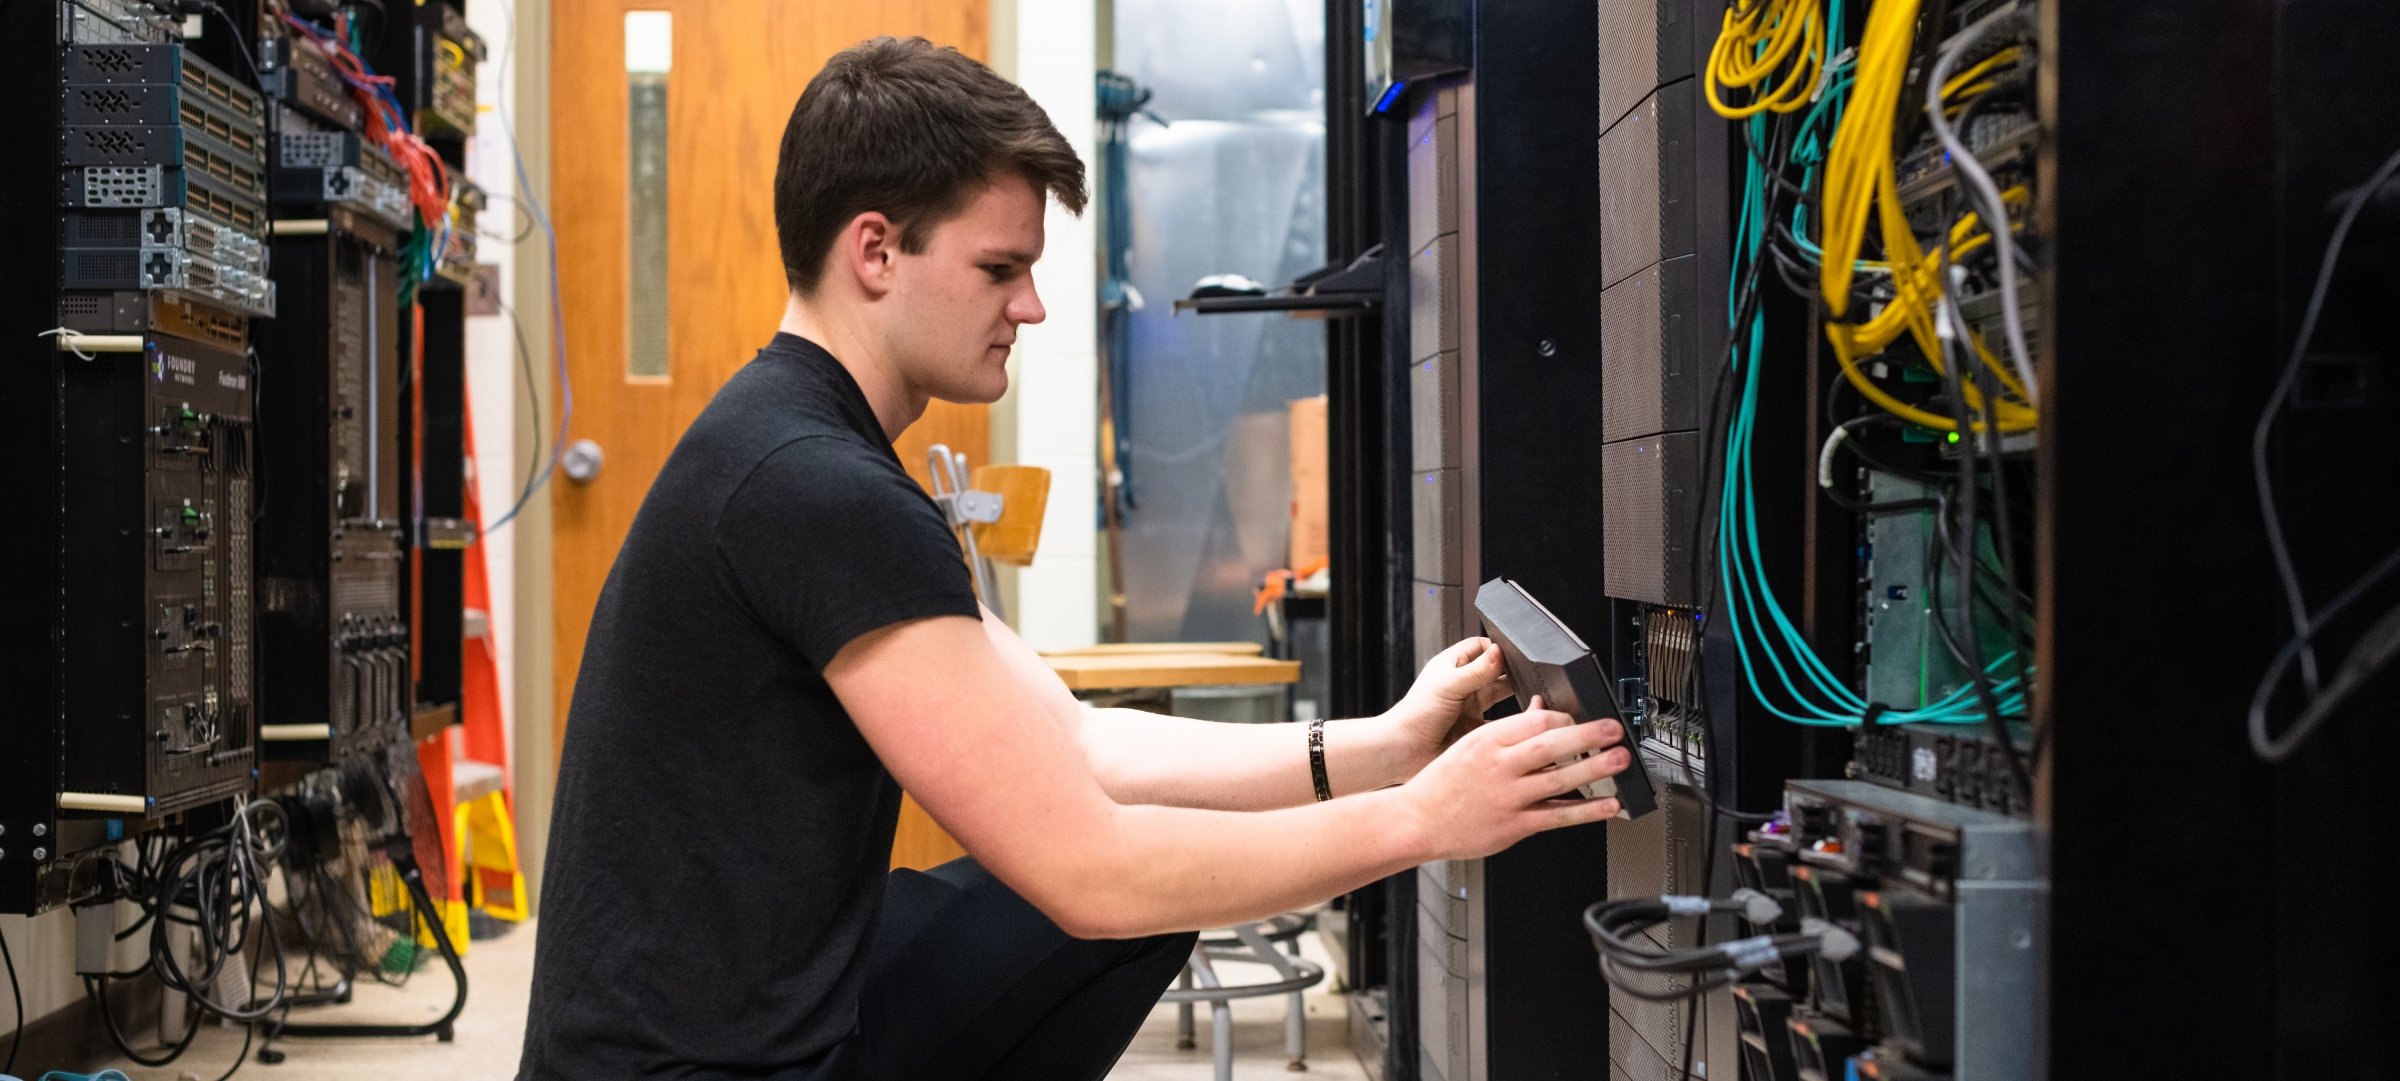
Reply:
x=499, y=971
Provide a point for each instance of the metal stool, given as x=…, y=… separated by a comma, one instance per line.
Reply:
x=1248, y=942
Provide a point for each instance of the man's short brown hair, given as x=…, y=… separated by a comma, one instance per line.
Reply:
x=913, y=130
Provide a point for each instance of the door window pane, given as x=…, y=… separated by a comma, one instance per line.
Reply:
x=649, y=54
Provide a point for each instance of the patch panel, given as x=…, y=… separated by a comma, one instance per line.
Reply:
x=457, y=54
x=140, y=312
x=177, y=146
x=164, y=229
x=457, y=263
x=163, y=105
x=1999, y=141
x=316, y=169
x=297, y=74
x=136, y=187
x=162, y=65
x=167, y=268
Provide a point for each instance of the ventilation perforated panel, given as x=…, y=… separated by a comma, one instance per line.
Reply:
x=1629, y=224
x=1644, y=44
x=1646, y=184
x=1650, y=330
x=1632, y=326
x=101, y=231
x=1649, y=492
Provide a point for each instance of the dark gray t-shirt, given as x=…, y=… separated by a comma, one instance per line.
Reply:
x=721, y=832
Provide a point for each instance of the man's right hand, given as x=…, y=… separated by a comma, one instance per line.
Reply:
x=1498, y=784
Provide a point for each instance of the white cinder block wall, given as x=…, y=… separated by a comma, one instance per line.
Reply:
x=1048, y=47
x=493, y=370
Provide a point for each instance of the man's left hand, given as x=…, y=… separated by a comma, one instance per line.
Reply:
x=1449, y=698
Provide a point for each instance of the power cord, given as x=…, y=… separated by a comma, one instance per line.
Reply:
x=1636, y=967
x=558, y=338
x=218, y=876
x=2270, y=748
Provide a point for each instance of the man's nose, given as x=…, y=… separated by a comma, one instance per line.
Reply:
x=1027, y=307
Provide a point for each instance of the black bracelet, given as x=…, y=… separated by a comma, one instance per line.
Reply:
x=1316, y=759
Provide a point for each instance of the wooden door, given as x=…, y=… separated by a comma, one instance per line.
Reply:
x=732, y=73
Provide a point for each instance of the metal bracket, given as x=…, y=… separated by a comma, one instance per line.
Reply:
x=971, y=506
x=1633, y=701
x=963, y=507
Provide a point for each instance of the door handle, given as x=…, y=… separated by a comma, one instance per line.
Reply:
x=582, y=461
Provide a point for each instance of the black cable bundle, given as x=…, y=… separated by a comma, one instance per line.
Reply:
x=1636, y=967
x=215, y=883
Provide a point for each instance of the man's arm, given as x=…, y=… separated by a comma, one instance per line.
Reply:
x=993, y=757
x=1143, y=757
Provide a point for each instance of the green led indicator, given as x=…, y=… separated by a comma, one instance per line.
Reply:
x=1954, y=437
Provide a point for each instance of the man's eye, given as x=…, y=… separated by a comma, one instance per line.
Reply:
x=1000, y=272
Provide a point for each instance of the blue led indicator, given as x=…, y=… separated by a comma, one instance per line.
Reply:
x=1384, y=103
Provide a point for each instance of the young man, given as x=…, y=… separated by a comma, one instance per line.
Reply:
x=789, y=638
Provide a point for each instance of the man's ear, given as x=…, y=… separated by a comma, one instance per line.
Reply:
x=866, y=250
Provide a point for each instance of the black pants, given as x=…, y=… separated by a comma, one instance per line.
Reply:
x=971, y=983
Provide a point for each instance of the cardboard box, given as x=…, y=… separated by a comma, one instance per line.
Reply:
x=1310, y=543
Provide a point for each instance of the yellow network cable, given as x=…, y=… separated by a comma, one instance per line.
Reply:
x=1967, y=78
x=1859, y=166
x=1758, y=39
x=1862, y=191
x=1910, y=312
x=1972, y=81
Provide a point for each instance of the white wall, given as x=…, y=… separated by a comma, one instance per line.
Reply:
x=1047, y=46
x=493, y=369
x=43, y=948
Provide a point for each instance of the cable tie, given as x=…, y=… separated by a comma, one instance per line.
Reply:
x=67, y=336
x=1741, y=947
x=1825, y=73
x=1685, y=905
x=1758, y=953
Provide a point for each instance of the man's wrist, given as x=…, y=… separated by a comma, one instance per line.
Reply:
x=1366, y=753
x=1406, y=827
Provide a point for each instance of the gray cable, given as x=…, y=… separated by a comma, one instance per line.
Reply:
x=1978, y=181
x=2274, y=749
x=2304, y=625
